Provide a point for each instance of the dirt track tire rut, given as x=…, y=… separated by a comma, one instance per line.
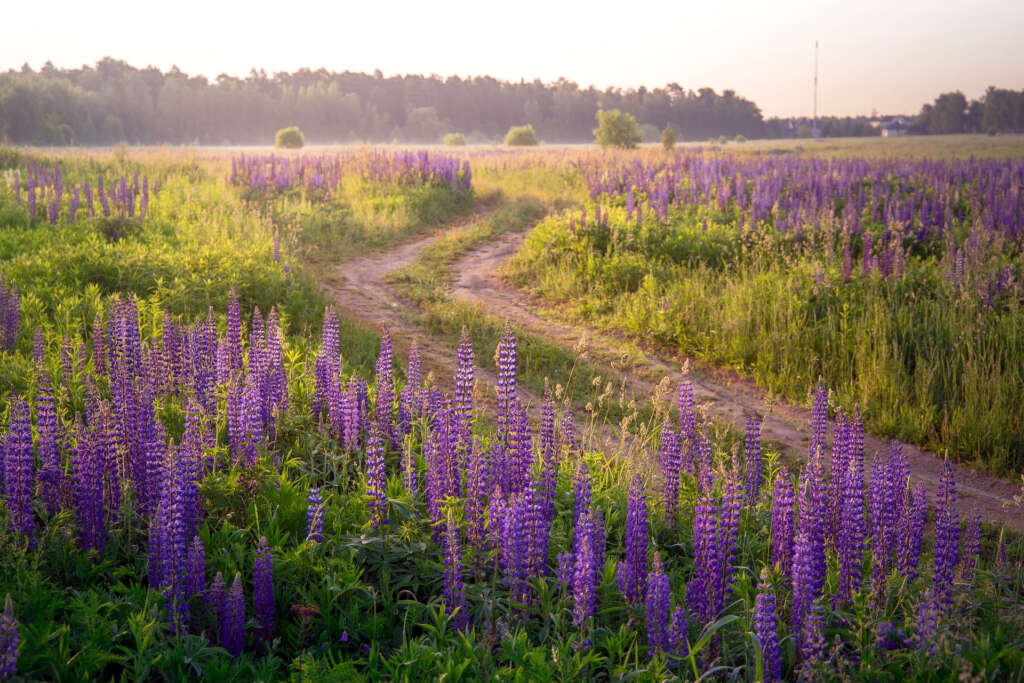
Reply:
x=724, y=396
x=359, y=288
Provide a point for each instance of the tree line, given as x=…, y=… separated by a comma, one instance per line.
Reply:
x=113, y=102
x=997, y=111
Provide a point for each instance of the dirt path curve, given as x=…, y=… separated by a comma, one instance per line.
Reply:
x=724, y=396
x=358, y=287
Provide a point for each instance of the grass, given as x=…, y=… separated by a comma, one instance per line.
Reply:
x=366, y=604
x=543, y=364
x=924, y=359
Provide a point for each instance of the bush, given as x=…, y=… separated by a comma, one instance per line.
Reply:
x=290, y=138
x=740, y=138
x=616, y=129
x=454, y=139
x=521, y=136
x=668, y=138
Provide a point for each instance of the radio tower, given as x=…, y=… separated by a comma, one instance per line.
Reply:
x=814, y=124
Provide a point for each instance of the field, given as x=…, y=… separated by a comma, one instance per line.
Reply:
x=409, y=413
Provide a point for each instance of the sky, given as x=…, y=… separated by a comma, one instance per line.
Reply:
x=888, y=57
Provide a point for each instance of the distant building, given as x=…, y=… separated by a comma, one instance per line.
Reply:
x=894, y=127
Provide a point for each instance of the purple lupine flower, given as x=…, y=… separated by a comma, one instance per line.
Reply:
x=568, y=434
x=385, y=399
x=195, y=582
x=87, y=191
x=188, y=472
x=582, y=493
x=9, y=639
x=155, y=467
x=315, y=516
x=326, y=365
x=263, y=589
x=31, y=200
x=765, y=625
x=912, y=531
x=277, y=247
x=838, y=473
x=549, y=469
x=538, y=529
x=809, y=546
x=819, y=418
x=700, y=591
x=632, y=571
x=408, y=403
x=752, y=457
x=584, y=573
x=454, y=589
x=216, y=604
x=18, y=466
x=927, y=623
x=947, y=539
x=87, y=494
x=50, y=473
x=519, y=451
x=886, y=496
x=971, y=549
x=728, y=535
x=812, y=637
x=506, y=379
x=477, y=485
x=677, y=633
x=515, y=541
x=234, y=338
x=783, y=524
x=464, y=381
x=376, y=478
x=850, y=537
x=350, y=416
x=670, y=457
x=659, y=598
x=232, y=626
x=10, y=315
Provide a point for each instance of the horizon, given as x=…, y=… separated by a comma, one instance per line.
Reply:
x=881, y=57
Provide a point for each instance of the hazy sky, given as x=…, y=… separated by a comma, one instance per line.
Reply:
x=889, y=56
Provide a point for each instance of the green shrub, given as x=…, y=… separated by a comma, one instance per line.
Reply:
x=521, y=136
x=616, y=129
x=290, y=138
x=740, y=138
x=668, y=138
x=454, y=139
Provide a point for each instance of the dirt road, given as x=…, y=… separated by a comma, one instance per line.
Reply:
x=359, y=288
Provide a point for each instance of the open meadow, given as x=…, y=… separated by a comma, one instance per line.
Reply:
x=747, y=411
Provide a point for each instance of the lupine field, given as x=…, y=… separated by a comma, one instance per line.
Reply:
x=211, y=472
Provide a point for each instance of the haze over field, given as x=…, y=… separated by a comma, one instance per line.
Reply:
x=882, y=56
